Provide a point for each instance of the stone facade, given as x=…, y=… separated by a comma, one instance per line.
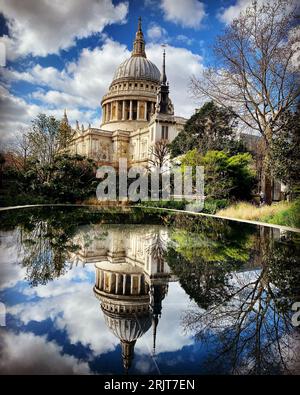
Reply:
x=136, y=113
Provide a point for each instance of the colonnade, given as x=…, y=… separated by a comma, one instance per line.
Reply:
x=123, y=110
x=121, y=283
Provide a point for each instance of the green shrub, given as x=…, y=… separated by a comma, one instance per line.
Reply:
x=172, y=204
x=211, y=206
x=287, y=217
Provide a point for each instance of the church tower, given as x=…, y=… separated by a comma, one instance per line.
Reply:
x=162, y=124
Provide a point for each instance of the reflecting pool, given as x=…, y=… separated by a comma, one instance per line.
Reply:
x=90, y=292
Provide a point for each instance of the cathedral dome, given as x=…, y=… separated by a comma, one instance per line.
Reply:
x=128, y=328
x=137, y=68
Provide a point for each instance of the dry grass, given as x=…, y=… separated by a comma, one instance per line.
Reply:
x=250, y=212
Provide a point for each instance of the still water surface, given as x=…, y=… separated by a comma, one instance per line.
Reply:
x=191, y=296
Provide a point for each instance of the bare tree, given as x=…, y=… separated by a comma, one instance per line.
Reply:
x=159, y=154
x=21, y=148
x=253, y=318
x=256, y=75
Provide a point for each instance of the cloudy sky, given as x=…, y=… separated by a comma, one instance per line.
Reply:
x=59, y=328
x=63, y=54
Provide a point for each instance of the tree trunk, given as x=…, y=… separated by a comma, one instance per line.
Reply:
x=267, y=166
x=268, y=189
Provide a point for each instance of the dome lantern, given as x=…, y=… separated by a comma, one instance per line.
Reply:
x=139, y=42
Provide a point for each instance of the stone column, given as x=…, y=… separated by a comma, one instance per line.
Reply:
x=138, y=111
x=131, y=284
x=123, y=110
x=108, y=112
x=103, y=113
x=124, y=284
x=145, y=113
x=100, y=280
x=130, y=111
x=110, y=282
x=117, y=283
x=117, y=110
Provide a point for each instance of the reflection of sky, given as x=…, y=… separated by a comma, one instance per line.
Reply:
x=60, y=328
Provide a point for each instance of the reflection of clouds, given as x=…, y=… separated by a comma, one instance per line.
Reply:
x=170, y=336
x=10, y=270
x=70, y=303
x=26, y=353
x=144, y=365
x=73, y=308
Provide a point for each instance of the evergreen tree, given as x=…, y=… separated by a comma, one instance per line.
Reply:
x=285, y=150
x=210, y=128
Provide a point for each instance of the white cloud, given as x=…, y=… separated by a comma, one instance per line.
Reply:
x=26, y=353
x=174, y=306
x=15, y=113
x=188, y=13
x=82, y=83
x=11, y=271
x=45, y=27
x=227, y=15
x=73, y=308
x=157, y=33
x=181, y=64
x=184, y=39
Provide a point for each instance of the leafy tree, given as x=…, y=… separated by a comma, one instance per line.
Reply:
x=72, y=179
x=203, y=253
x=43, y=139
x=224, y=176
x=210, y=128
x=285, y=150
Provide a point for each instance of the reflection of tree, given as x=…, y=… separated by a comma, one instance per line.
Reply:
x=46, y=239
x=46, y=248
x=203, y=253
x=250, y=318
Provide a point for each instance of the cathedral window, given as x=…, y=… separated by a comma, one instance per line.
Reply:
x=164, y=132
x=135, y=85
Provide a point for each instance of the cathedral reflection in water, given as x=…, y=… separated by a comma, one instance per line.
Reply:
x=131, y=278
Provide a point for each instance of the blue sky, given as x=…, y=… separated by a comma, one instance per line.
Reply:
x=63, y=54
